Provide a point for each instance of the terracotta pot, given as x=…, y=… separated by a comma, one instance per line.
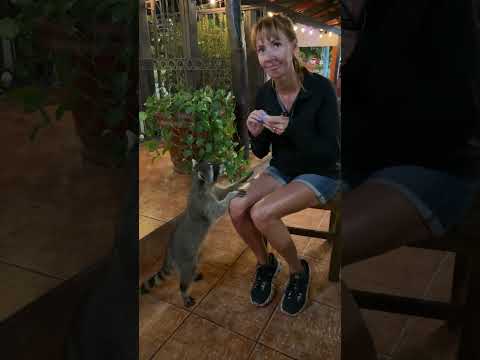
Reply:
x=181, y=128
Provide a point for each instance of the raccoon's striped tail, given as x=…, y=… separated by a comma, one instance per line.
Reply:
x=156, y=279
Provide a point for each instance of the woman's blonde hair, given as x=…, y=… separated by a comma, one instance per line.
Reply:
x=269, y=27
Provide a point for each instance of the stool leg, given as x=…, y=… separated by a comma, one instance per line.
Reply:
x=336, y=255
x=459, y=286
x=468, y=347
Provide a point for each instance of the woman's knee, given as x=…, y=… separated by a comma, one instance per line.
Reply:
x=238, y=209
x=260, y=216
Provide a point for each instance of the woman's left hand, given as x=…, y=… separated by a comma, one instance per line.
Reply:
x=276, y=124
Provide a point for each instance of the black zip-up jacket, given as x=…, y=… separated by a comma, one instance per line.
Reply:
x=310, y=144
x=404, y=102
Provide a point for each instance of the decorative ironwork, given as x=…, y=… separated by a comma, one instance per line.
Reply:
x=173, y=67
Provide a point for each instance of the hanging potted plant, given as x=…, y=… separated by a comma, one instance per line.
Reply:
x=195, y=125
x=91, y=45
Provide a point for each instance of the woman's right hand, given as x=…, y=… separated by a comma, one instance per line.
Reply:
x=255, y=122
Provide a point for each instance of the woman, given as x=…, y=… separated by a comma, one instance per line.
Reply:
x=296, y=115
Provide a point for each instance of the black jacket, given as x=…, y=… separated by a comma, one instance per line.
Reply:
x=407, y=91
x=310, y=143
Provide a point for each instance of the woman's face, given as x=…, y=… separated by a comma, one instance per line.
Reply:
x=275, y=55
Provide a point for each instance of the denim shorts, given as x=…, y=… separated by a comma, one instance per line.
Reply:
x=324, y=187
x=440, y=198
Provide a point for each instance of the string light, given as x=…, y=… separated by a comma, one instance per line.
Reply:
x=330, y=34
x=295, y=28
x=311, y=32
x=303, y=29
x=270, y=14
x=321, y=35
x=212, y=2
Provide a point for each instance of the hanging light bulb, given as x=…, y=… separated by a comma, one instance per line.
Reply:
x=303, y=29
x=311, y=32
x=330, y=34
x=270, y=13
x=295, y=27
x=321, y=35
x=212, y=2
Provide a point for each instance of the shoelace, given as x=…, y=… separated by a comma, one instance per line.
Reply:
x=262, y=273
x=294, y=286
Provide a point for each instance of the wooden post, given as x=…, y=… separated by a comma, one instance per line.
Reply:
x=239, y=69
x=334, y=65
x=191, y=51
x=256, y=76
x=146, y=77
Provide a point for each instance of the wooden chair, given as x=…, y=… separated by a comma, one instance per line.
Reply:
x=461, y=311
x=331, y=236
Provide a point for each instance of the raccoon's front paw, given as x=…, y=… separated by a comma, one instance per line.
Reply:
x=232, y=194
x=188, y=301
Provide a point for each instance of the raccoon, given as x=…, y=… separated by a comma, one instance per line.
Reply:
x=206, y=204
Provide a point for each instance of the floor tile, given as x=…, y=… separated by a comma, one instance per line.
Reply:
x=317, y=248
x=21, y=287
x=61, y=248
x=441, y=286
x=405, y=271
x=327, y=293
x=427, y=339
x=147, y=225
x=308, y=218
x=218, y=257
x=228, y=305
x=220, y=239
x=385, y=328
x=314, y=334
x=200, y=339
x=264, y=353
x=168, y=290
x=157, y=322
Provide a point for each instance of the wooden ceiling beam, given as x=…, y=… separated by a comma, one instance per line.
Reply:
x=294, y=15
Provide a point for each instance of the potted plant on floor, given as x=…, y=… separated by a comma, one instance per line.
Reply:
x=92, y=47
x=195, y=125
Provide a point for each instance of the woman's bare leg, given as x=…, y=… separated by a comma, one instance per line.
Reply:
x=240, y=214
x=376, y=218
x=268, y=212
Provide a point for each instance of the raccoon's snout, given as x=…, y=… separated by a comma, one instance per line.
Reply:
x=216, y=171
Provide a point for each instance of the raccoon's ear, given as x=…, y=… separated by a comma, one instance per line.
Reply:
x=194, y=163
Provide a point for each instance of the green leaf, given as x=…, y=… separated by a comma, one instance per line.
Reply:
x=9, y=28
x=200, y=141
x=187, y=153
x=189, y=139
x=59, y=112
x=32, y=98
x=208, y=148
x=151, y=145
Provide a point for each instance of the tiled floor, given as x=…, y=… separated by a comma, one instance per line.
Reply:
x=223, y=324
x=409, y=272
x=56, y=213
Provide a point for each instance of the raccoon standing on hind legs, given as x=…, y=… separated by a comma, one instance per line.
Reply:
x=206, y=204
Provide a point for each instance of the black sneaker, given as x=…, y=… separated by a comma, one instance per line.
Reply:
x=262, y=289
x=296, y=294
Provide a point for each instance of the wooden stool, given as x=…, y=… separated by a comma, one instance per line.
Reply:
x=460, y=311
x=331, y=236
